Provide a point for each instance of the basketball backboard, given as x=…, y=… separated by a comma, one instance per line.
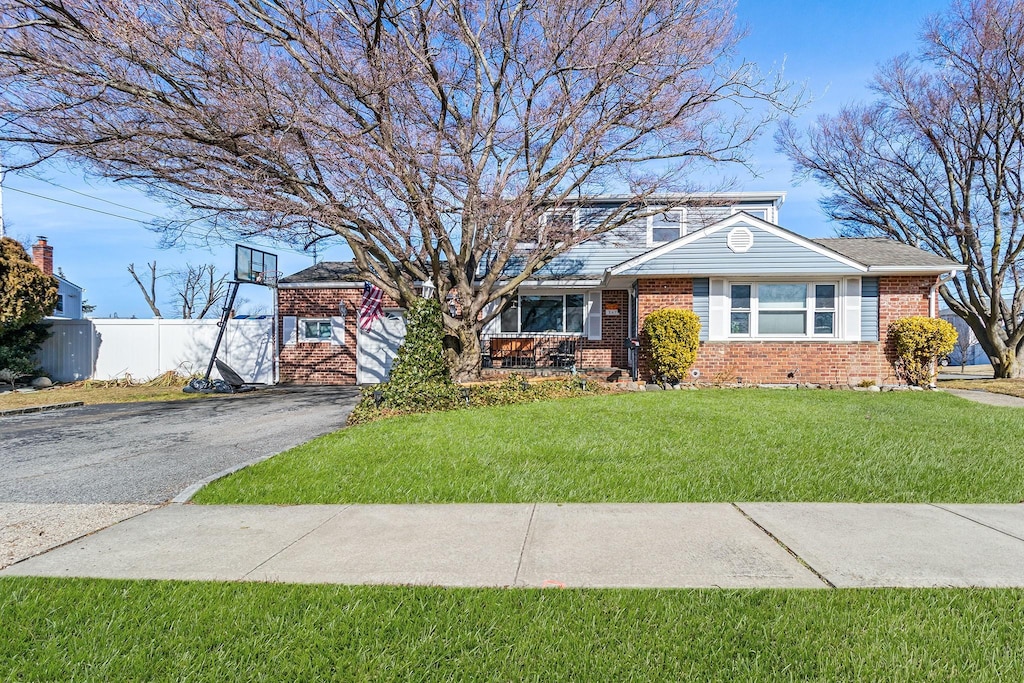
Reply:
x=255, y=266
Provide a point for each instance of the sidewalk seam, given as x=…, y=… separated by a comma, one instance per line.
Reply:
x=802, y=561
x=246, y=575
x=522, y=549
x=975, y=521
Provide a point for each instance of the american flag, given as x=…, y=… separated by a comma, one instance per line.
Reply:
x=370, y=309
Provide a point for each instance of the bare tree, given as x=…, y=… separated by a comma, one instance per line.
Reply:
x=150, y=292
x=197, y=289
x=964, y=343
x=938, y=162
x=431, y=136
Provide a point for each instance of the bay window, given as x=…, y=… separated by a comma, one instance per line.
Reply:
x=782, y=309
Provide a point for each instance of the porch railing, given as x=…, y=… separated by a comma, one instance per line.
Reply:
x=540, y=351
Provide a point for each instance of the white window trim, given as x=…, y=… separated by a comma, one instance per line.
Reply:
x=770, y=211
x=809, y=311
x=683, y=226
x=312, y=340
x=519, y=318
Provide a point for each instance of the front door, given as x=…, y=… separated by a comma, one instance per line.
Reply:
x=376, y=348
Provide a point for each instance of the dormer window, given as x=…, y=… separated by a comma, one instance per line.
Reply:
x=765, y=212
x=666, y=226
x=559, y=221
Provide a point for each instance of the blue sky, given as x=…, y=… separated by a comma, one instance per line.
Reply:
x=832, y=47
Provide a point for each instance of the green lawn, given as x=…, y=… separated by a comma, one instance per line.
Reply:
x=92, y=630
x=708, y=445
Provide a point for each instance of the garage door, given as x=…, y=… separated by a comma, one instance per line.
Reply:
x=376, y=348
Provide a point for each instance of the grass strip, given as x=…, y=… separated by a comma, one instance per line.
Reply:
x=702, y=446
x=58, y=629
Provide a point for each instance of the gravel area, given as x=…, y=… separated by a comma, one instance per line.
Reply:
x=27, y=529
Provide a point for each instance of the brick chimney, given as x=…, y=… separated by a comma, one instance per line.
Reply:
x=42, y=255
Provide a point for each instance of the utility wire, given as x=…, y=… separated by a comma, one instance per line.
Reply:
x=185, y=231
x=95, y=198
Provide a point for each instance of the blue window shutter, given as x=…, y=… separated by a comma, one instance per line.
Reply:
x=702, y=303
x=869, y=309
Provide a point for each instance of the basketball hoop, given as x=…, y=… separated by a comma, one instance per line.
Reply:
x=267, y=278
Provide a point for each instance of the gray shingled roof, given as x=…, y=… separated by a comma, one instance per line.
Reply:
x=326, y=271
x=884, y=252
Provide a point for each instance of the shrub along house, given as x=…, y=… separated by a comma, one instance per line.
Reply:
x=775, y=307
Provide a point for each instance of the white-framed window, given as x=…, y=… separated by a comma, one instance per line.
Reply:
x=559, y=221
x=783, y=309
x=666, y=225
x=314, y=329
x=544, y=313
x=59, y=308
x=765, y=212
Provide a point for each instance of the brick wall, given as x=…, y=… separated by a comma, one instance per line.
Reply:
x=320, y=362
x=610, y=351
x=768, y=362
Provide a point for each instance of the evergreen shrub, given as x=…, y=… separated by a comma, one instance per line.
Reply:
x=670, y=338
x=919, y=342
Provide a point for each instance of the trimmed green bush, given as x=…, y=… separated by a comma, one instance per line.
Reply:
x=670, y=338
x=421, y=358
x=420, y=379
x=920, y=341
x=511, y=390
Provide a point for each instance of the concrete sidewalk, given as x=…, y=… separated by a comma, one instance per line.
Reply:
x=783, y=545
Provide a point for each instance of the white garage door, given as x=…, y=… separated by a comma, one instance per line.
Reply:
x=376, y=347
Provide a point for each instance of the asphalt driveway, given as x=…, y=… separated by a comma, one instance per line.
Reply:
x=150, y=452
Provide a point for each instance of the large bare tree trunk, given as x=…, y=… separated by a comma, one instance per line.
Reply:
x=465, y=352
x=1007, y=364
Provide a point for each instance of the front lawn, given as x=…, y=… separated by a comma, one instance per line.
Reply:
x=93, y=630
x=708, y=445
x=1011, y=387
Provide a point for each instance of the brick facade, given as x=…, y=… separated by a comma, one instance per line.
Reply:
x=610, y=351
x=320, y=362
x=753, y=362
x=768, y=362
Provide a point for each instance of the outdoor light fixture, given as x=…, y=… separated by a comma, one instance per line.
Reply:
x=378, y=397
x=342, y=309
x=465, y=394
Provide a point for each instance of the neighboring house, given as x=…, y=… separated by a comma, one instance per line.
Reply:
x=69, y=295
x=967, y=350
x=775, y=307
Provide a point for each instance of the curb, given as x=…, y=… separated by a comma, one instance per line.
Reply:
x=186, y=495
x=41, y=409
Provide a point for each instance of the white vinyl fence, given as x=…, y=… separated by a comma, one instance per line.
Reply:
x=110, y=348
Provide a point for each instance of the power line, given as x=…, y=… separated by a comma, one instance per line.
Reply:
x=93, y=197
x=185, y=231
x=77, y=206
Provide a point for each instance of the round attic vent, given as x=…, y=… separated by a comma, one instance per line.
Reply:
x=740, y=239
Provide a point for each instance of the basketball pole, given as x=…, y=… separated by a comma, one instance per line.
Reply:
x=225, y=315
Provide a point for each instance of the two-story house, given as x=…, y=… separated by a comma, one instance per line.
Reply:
x=775, y=307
